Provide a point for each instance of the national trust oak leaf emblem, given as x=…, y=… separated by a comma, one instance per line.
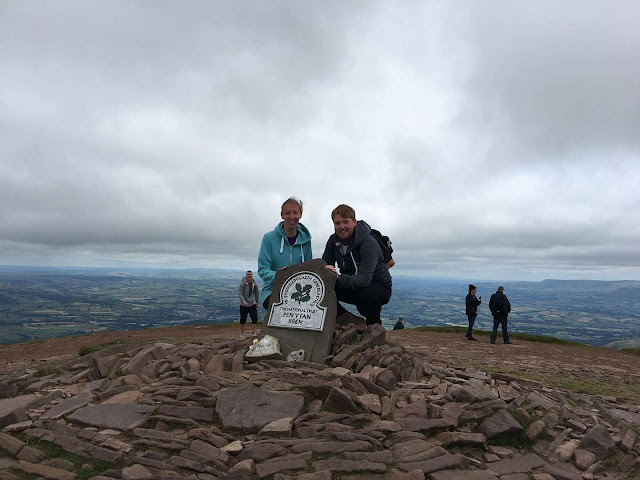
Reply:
x=302, y=294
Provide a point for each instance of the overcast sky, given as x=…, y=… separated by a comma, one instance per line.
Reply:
x=488, y=139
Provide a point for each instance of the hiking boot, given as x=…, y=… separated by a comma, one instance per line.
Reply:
x=493, y=342
x=473, y=339
x=507, y=343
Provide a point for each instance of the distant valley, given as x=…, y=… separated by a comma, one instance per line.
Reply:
x=39, y=303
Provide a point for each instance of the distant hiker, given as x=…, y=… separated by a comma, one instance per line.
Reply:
x=249, y=294
x=399, y=325
x=471, y=310
x=287, y=244
x=364, y=279
x=500, y=307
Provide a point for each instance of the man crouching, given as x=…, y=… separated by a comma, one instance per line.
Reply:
x=364, y=279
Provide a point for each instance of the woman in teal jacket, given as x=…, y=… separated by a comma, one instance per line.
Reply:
x=287, y=244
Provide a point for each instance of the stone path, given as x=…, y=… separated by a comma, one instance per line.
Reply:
x=200, y=411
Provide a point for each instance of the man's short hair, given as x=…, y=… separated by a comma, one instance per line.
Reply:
x=249, y=271
x=345, y=211
x=501, y=288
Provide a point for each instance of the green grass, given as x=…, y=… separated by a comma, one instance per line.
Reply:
x=53, y=451
x=633, y=351
x=486, y=333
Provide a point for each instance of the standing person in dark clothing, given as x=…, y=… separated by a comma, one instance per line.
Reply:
x=500, y=307
x=364, y=279
x=249, y=295
x=471, y=310
x=399, y=325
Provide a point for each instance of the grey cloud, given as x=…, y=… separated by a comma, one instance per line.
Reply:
x=554, y=79
x=481, y=137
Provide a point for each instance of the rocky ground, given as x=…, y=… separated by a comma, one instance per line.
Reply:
x=390, y=406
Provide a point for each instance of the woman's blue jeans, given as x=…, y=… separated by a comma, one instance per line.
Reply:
x=472, y=320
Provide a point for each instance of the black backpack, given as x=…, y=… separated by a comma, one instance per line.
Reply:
x=385, y=246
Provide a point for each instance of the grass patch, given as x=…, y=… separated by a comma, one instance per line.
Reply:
x=53, y=451
x=518, y=440
x=633, y=351
x=519, y=336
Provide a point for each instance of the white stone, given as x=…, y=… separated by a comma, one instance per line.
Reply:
x=296, y=356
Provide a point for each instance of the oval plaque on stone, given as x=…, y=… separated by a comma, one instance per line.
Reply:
x=299, y=306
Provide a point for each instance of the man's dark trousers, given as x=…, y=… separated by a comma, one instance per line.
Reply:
x=252, y=311
x=368, y=300
x=496, y=322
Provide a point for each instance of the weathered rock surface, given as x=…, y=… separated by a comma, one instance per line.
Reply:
x=202, y=411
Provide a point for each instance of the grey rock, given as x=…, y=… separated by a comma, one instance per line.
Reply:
x=562, y=471
x=500, y=423
x=13, y=410
x=362, y=467
x=340, y=401
x=474, y=391
x=598, y=441
x=443, y=462
x=250, y=408
x=461, y=438
x=116, y=415
x=68, y=405
x=584, y=459
x=520, y=464
x=463, y=475
x=289, y=462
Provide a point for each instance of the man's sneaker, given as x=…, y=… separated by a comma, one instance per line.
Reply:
x=507, y=343
x=242, y=335
x=254, y=334
x=493, y=342
x=473, y=339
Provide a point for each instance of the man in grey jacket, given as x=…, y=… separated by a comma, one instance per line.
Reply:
x=364, y=279
x=249, y=294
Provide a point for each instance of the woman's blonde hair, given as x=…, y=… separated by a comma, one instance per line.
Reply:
x=295, y=200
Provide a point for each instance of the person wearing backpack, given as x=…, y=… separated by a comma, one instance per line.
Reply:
x=500, y=307
x=364, y=279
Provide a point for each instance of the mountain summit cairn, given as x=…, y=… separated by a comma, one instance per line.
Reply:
x=375, y=410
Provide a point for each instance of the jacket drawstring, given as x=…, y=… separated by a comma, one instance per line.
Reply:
x=282, y=249
x=354, y=261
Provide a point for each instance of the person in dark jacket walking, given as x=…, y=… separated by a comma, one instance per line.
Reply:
x=500, y=307
x=471, y=310
x=364, y=279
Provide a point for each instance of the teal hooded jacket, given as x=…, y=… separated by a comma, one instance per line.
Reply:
x=275, y=253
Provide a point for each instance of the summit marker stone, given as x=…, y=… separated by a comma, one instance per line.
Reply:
x=302, y=313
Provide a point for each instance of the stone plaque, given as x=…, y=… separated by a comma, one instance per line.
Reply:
x=302, y=313
x=300, y=306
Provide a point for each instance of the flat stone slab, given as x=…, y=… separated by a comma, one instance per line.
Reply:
x=443, y=462
x=12, y=410
x=350, y=466
x=523, y=464
x=249, y=408
x=68, y=405
x=423, y=424
x=463, y=475
x=630, y=417
x=121, y=416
